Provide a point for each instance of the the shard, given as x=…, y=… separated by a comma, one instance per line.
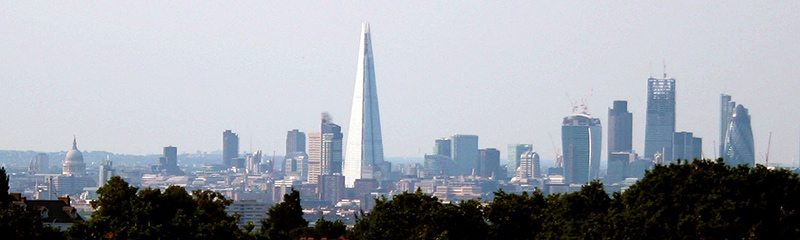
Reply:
x=364, y=153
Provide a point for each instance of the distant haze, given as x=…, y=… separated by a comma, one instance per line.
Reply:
x=132, y=77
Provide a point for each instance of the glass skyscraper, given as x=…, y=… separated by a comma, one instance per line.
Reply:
x=739, y=147
x=581, y=139
x=660, y=122
x=514, y=153
x=364, y=142
x=726, y=107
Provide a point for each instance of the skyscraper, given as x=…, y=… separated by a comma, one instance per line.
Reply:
x=295, y=141
x=620, y=128
x=660, y=126
x=529, y=166
x=687, y=147
x=442, y=147
x=325, y=150
x=514, y=153
x=106, y=172
x=726, y=107
x=230, y=148
x=364, y=142
x=581, y=139
x=739, y=148
x=489, y=162
x=465, y=153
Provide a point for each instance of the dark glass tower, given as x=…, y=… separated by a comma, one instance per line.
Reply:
x=490, y=162
x=620, y=128
x=295, y=141
x=660, y=126
x=581, y=139
x=230, y=148
x=465, y=153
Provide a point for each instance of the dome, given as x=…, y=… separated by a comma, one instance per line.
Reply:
x=73, y=163
x=74, y=154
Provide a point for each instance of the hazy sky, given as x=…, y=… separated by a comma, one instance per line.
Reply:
x=134, y=76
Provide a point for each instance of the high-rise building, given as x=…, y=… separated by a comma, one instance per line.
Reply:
x=40, y=163
x=465, y=154
x=296, y=166
x=687, y=147
x=106, y=172
x=295, y=141
x=252, y=162
x=514, y=153
x=726, y=107
x=618, y=166
x=364, y=141
x=331, y=188
x=230, y=148
x=438, y=165
x=739, y=147
x=73, y=163
x=442, y=147
x=331, y=146
x=529, y=165
x=620, y=128
x=489, y=162
x=581, y=139
x=324, y=150
x=314, y=157
x=660, y=126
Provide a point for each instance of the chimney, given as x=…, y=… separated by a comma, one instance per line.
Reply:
x=65, y=199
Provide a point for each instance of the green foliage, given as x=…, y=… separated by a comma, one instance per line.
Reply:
x=419, y=216
x=124, y=212
x=285, y=219
x=515, y=216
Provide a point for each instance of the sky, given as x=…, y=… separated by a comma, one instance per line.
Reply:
x=132, y=77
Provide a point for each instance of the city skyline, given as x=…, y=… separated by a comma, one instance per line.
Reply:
x=95, y=77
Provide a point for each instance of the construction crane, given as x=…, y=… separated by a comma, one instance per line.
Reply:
x=769, y=142
x=559, y=161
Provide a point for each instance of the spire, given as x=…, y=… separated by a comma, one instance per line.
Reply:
x=364, y=141
x=74, y=142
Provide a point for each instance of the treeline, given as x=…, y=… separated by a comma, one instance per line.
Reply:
x=701, y=199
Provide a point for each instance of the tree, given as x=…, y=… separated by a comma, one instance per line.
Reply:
x=125, y=212
x=515, y=216
x=708, y=199
x=285, y=220
x=16, y=222
x=4, y=185
x=420, y=216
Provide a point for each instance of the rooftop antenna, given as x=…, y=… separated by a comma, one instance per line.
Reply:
x=651, y=68
x=664, y=62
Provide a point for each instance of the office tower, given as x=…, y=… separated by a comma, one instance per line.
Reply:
x=686, y=146
x=581, y=139
x=314, y=157
x=331, y=146
x=529, y=165
x=73, y=163
x=106, y=172
x=726, y=107
x=514, y=152
x=660, y=125
x=465, y=153
x=620, y=128
x=489, y=162
x=739, y=148
x=295, y=141
x=442, y=147
x=40, y=163
x=364, y=142
x=331, y=188
x=230, y=148
x=438, y=165
x=618, y=164
x=296, y=166
x=252, y=162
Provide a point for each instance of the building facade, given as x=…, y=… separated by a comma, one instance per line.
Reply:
x=364, y=141
x=660, y=119
x=739, y=146
x=230, y=148
x=513, y=160
x=581, y=139
x=489, y=162
x=465, y=153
